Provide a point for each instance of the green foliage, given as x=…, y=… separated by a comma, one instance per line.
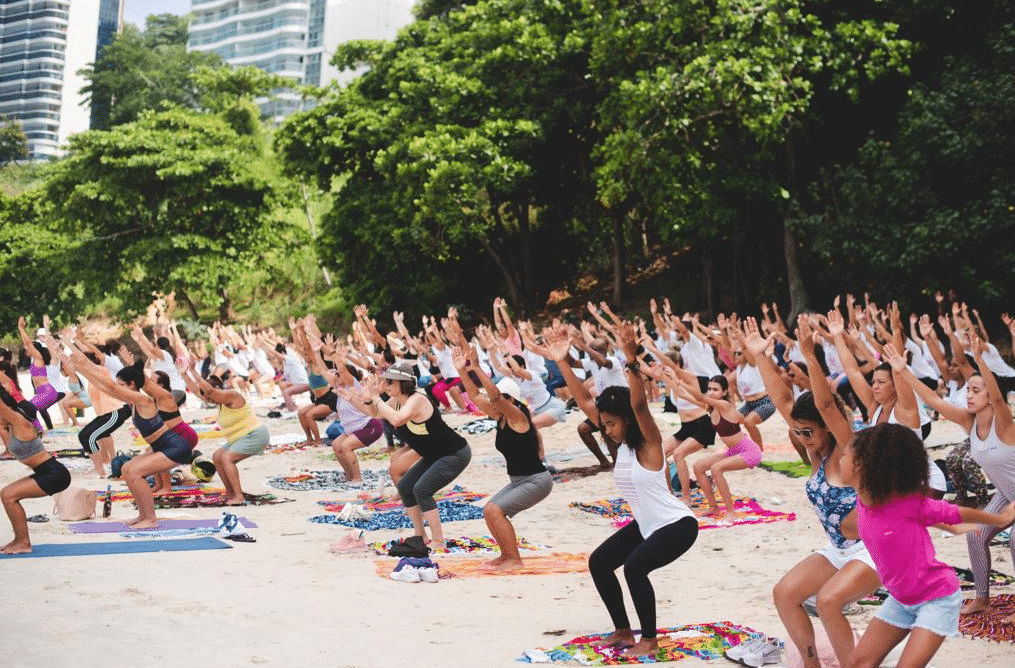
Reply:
x=13, y=142
x=174, y=201
x=148, y=70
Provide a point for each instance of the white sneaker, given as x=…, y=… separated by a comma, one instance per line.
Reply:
x=736, y=653
x=763, y=654
x=427, y=574
x=405, y=573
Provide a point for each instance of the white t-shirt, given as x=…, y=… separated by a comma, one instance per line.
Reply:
x=699, y=358
x=167, y=366
x=603, y=377
x=992, y=358
x=749, y=381
x=294, y=370
x=920, y=366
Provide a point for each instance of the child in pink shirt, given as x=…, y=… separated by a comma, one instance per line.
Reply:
x=887, y=464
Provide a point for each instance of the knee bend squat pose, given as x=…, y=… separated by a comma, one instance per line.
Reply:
x=444, y=454
x=518, y=440
x=663, y=527
x=893, y=516
x=48, y=477
x=992, y=445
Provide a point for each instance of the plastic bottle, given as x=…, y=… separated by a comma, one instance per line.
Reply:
x=107, y=505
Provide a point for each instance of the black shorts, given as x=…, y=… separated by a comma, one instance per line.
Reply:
x=700, y=429
x=329, y=399
x=51, y=476
x=174, y=446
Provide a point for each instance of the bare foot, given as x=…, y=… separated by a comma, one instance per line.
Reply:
x=496, y=562
x=644, y=647
x=16, y=548
x=161, y=492
x=605, y=465
x=236, y=501
x=975, y=606
x=619, y=638
x=509, y=565
x=706, y=511
x=131, y=522
x=730, y=516
x=146, y=524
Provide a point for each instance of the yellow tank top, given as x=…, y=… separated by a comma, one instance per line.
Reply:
x=237, y=422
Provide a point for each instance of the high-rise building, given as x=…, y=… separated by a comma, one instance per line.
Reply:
x=291, y=38
x=43, y=44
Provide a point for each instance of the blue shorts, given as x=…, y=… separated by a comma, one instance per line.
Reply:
x=173, y=446
x=938, y=615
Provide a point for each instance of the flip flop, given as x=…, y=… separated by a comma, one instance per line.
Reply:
x=38, y=518
x=241, y=538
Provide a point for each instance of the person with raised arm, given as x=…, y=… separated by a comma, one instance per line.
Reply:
x=758, y=405
x=841, y=572
x=741, y=452
x=663, y=528
x=359, y=429
x=518, y=440
x=988, y=421
x=169, y=449
x=45, y=394
x=443, y=452
x=245, y=435
x=48, y=477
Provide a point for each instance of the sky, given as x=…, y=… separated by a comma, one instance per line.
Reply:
x=135, y=11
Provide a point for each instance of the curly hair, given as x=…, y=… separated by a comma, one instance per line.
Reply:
x=890, y=461
x=617, y=401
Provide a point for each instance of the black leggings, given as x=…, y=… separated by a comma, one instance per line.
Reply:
x=102, y=426
x=639, y=557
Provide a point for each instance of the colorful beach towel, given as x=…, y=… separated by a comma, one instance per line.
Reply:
x=474, y=545
x=450, y=511
x=795, y=469
x=1002, y=538
x=997, y=579
x=553, y=564
x=456, y=493
x=704, y=641
x=330, y=480
x=288, y=442
x=752, y=513
x=991, y=624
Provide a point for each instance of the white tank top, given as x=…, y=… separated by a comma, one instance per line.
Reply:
x=652, y=504
x=997, y=459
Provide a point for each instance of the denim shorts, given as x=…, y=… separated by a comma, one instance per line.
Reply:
x=938, y=615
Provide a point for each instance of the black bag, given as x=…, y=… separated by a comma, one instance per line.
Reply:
x=413, y=546
x=116, y=466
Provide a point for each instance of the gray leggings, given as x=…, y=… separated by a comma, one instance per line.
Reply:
x=426, y=477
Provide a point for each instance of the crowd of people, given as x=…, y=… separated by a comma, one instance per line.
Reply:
x=872, y=484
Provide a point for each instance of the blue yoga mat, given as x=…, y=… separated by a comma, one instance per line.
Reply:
x=121, y=547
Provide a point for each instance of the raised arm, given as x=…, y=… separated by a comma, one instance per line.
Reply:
x=558, y=341
x=780, y=393
x=856, y=379
x=903, y=373
x=652, y=456
x=836, y=422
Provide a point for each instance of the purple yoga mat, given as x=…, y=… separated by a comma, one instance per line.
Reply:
x=120, y=527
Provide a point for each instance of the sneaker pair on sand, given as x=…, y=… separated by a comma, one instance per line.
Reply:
x=414, y=569
x=757, y=652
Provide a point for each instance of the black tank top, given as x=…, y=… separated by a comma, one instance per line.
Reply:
x=432, y=439
x=521, y=451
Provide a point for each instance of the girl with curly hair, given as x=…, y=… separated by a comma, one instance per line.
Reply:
x=888, y=466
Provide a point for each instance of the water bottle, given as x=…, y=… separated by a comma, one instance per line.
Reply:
x=107, y=505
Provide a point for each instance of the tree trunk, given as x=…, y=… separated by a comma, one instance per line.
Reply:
x=619, y=259
x=709, y=285
x=794, y=278
x=226, y=313
x=190, y=305
x=525, y=242
x=509, y=281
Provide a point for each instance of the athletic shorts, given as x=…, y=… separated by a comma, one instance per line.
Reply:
x=329, y=399
x=763, y=407
x=523, y=492
x=370, y=432
x=174, y=446
x=51, y=476
x=700, y=429
x=554, y=407
x=252, y=443
x=748, y=449
x=840, y=556
x=938, y=615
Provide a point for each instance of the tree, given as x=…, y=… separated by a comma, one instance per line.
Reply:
x=13, y=142
x=173, y=201
x=146, y=70
x=469, y=133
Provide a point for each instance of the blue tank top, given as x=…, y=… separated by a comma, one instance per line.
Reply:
x=147, y=426
x=831, y=504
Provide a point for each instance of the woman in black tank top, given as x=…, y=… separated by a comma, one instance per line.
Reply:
x=518, y=441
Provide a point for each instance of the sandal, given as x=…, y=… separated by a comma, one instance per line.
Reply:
x=38, y=518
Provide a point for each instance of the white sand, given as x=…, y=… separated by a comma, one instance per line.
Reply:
x=286, y=600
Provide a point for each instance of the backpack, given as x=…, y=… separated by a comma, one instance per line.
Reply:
x=74, y=504
x=116, y=465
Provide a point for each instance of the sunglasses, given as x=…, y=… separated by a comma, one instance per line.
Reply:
x=804, y=433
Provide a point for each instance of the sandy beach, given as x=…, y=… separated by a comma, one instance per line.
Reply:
x=287, y=600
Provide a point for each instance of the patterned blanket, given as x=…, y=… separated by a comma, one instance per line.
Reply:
x=450, y=511
x=750, y=510
x=475, y=545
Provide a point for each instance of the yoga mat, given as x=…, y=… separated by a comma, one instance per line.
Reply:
x=750, y=508
x=556, y=563
x=328, y=480
x=456, y=493
x=450, y=511
x=704, y=641
x=475, y=545
x=795, y=469
x=118, y=527
x=121, y=547
x=990, y=624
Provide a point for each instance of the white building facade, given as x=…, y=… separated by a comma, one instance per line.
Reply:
x=43, y=44
x=291, y=38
